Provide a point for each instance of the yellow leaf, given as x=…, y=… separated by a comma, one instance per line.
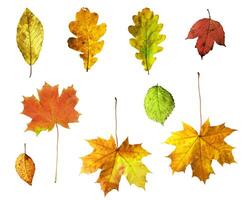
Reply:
x=114, y=162
x=88, y=34
x=25, y=168
x=199, y=150
x=29, y=37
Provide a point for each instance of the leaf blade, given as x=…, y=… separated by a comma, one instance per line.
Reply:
x=88, y=35
x=29, y=36
x=114, y=162
x=25, y=168
x=208, y=32
x=158, y=103
x=198, y=150
x=146, y=37
x=51, y=108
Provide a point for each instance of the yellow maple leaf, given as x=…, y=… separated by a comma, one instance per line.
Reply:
x=88, y=34
x=198, y=150
x=114, y=162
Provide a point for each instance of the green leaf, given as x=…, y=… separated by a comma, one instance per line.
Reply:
x=29, y=37
x=159, y=104
x=147, y=37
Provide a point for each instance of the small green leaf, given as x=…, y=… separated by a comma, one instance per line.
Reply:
x=159, y=104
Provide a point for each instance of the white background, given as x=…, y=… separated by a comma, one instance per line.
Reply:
x=118, y=73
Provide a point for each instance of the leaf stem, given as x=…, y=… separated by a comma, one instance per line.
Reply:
x=200, y=103
x=116, y=137
x=25, y=148
x=57, y=154
x=209, y=14
x=31, y=71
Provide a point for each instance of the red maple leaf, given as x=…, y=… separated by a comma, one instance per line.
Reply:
x=208, y=31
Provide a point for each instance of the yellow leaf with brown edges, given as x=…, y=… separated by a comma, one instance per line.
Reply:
x=25, y=168
x=114, y=162
x=198, y=150
x=88, y=34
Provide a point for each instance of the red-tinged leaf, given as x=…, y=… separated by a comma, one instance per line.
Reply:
x=208, y=31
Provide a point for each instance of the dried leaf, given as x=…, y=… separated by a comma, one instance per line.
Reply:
x=50, y=108
x=208, y=31
x=159, y=104
x=29, y=37
x=114, y=162
x=88, y=35
x=199, y=150
x=147, y=37
x=25, y=168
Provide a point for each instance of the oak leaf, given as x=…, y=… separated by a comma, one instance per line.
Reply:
x=29, y=37
x=146, y=32
x=114, y=162
x=50, y=109
x=88, y=35
x=198, y=150
x=25, y=168
x=208, y=31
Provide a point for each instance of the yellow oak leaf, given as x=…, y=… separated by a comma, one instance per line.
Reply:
x=114, y=162
x=198, y=150
x=88, y=34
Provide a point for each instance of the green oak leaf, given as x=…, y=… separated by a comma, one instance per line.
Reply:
x=146, y=37
x=159, y=104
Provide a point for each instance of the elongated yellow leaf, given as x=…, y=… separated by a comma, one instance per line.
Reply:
x=29, y=37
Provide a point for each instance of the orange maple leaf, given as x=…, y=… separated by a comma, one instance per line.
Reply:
x=114, y=162
x=208, y=31
x=51, y=109
x=198, y=150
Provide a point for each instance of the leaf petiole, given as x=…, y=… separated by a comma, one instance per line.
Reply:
x=116, y=137
x=31, y=70
x=209, y=16
x=57, y=154
x=200, y=103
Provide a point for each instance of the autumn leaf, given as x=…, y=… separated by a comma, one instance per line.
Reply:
x=29, y=37
x=88, y=35
x=25, y=167
x=208, y=31
x=51, y=110
x=159, y=104
x=198, y=150
x=114, y=162
x=146, y=32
